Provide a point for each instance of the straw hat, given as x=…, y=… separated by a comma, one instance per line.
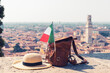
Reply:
x=31, y=61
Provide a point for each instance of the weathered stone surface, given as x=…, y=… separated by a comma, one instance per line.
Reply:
x=95, y=65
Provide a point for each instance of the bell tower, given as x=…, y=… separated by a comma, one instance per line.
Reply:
x=88, y=34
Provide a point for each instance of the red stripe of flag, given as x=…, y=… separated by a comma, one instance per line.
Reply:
x=44, y=38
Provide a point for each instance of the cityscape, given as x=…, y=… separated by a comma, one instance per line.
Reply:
x=91, y=37
x=55, y=36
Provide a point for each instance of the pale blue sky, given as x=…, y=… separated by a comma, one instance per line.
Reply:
x=56, y=10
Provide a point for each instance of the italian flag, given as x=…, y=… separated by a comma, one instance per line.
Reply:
x=48, y=35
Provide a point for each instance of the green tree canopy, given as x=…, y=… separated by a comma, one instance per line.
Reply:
x=17, y=48
x=2, y=43
x=1, y=11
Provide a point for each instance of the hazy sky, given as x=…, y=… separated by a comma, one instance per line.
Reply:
x=56, y=10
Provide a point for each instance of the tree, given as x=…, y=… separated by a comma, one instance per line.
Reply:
x=2, y=43
x=17, y=48
x=1, y=11
x=1, y=29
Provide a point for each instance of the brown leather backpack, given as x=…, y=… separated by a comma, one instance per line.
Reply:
x=62, y=54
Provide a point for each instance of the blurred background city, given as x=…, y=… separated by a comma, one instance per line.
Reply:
x=26, y=20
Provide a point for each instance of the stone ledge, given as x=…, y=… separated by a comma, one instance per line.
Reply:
x=95, y=66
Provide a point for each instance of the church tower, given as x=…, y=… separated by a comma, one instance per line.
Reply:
x=88, y=34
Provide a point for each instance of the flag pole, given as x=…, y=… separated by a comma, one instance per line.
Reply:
x=54, y=39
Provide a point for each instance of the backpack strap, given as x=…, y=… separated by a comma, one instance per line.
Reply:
x=72, y=59
x=75, y=50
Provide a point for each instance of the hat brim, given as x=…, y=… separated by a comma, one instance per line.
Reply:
x=19, y=65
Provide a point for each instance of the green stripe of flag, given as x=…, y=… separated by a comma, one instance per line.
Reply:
x=51, y=38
